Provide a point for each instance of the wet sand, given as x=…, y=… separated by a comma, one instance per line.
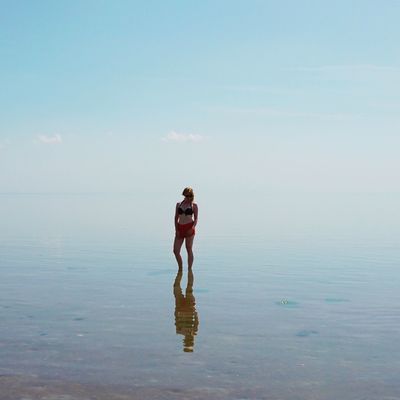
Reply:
x=33, y=388
x=30, y=388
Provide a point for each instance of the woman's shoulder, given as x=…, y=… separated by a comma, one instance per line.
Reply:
x=194, y=204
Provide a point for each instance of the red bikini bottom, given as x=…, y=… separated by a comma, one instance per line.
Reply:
x=185, y=230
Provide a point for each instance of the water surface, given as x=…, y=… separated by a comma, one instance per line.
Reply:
x=300, y=301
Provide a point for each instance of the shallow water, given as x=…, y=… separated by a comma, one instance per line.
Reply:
x=303, y=304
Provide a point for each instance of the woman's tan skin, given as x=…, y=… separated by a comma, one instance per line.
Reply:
x=185, y=219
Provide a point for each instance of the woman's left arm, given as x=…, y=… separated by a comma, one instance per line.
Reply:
x=195, y=214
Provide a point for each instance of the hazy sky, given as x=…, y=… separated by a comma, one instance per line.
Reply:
x=247, y=96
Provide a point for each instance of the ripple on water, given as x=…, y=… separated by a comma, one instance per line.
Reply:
x=336, y=300
x=287, y=303
x=306, y=333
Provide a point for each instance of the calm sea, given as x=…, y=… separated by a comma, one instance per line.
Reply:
x=291, y=297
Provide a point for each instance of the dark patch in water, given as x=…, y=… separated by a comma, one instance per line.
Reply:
x=336, y=300
x=79, y=319
x=306, y=333
x=76, y=268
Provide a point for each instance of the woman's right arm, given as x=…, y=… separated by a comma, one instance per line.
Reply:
x=176, y=216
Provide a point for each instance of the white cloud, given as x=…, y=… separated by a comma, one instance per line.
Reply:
x=55, y=139
x=182, y=137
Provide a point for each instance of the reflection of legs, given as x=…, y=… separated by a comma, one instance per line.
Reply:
x=177, y=285
x=189, y=245
x=189, y=287
x=177, y=251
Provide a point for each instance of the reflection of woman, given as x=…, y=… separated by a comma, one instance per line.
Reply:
x=186, y=214
x=186, y=319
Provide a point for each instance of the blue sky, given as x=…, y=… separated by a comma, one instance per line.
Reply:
x=239, y=96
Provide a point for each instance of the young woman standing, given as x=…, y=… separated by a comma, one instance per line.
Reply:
x=185, y=220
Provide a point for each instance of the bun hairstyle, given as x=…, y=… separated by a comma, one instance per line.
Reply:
x=188, y=191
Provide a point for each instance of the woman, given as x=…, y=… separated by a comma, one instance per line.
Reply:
x=185, y=221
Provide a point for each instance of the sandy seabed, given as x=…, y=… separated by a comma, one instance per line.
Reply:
x=33, y=388
x=18, y=387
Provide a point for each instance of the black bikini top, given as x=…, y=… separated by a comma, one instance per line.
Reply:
x=187, y=211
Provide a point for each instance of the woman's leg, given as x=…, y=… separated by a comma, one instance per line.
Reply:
x=177, y=251
x=189, y=245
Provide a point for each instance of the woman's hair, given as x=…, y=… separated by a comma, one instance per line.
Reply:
x=188, y=191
